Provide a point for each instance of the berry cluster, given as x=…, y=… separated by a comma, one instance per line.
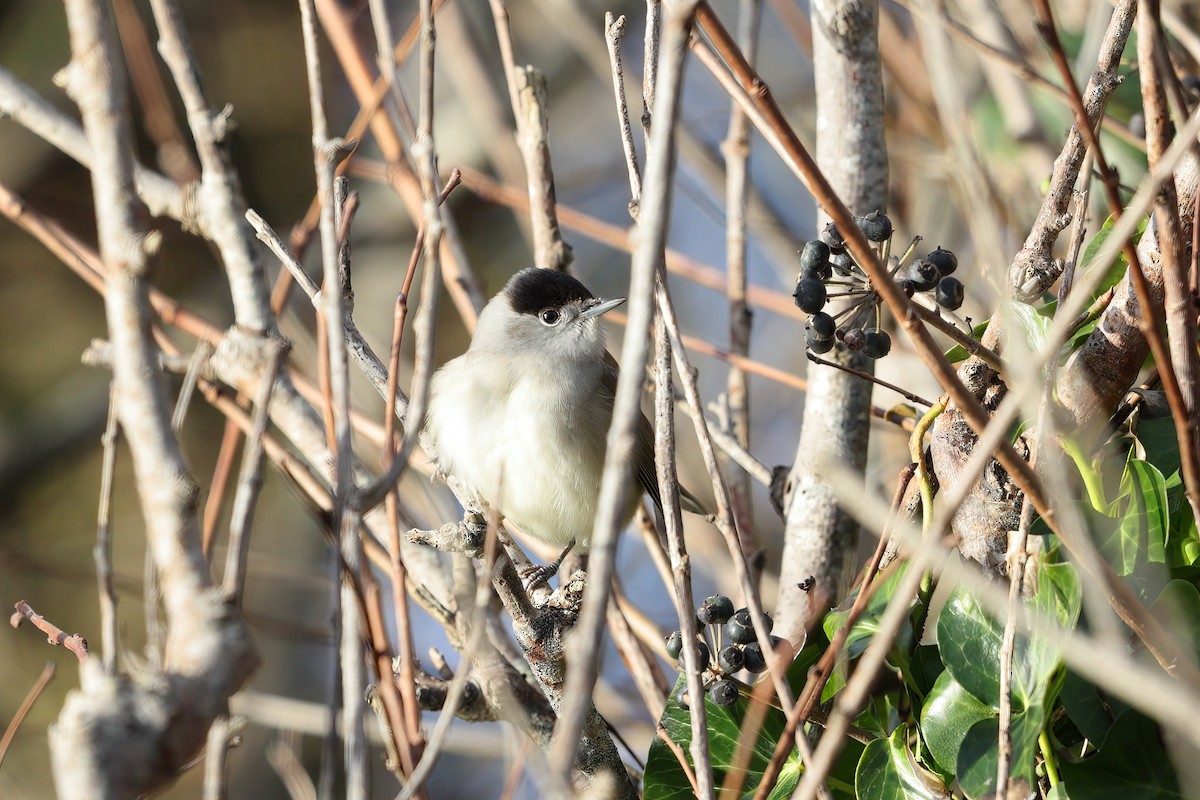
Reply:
x=828, y=271
x=731, y=635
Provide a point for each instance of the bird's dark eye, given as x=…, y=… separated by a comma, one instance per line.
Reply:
x=550, y=316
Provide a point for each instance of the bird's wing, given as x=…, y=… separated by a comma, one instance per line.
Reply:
x=644, y=448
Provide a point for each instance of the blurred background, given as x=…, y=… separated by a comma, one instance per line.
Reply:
x=53, y=409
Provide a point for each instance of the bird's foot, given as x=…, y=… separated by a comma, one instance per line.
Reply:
x=539, y=576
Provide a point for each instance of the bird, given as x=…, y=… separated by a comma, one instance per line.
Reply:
x=521, y=418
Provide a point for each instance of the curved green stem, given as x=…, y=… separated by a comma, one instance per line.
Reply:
x=1049, y=759
x=916, y=448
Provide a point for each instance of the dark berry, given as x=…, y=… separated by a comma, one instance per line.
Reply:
x=705, y=655
x=739, y=629
x=832, y=237
x=842, y=264
x=822, y=325
x=730, y=659
x=906, y=286
x=876, y=226
x=681, y=697
x=815, y=274
x=752, y=654
x=815, y=257
x=949, y=293
x=716, y=610
x=945, y=261
x=724, y=693
x=855, y=339
x=816, y=343
x=674, y=645
x=924, y=275
x=810, y=295
x=878, y=343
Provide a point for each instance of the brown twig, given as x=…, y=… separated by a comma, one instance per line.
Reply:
x=685, y=606
x=818, y=676
x=54, y=634
x=866, y=376
x=31, y=697
x=102, y=552
x=173, y=152
x=222, y=471
x=1034, y=269
x=736, y=149
x=1181, y=374
x=615, y=483
x=680, y=756
x=250, y=480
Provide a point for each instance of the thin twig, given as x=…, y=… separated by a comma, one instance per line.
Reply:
x=615, y=480
x=282, y=758
x=54, y=634
x=527, y=93
x=680, y=756
x=866, y=376
x=250, y=480
x=102, y=552
x=220, y=201
x=685, y=606
x=736, y=149
x=1181, y=375
x=819, y=676
x=614, y=33
x=31, y=697
x=345, y=515
x=222, y=471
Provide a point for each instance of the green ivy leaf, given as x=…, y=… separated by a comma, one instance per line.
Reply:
x=1030, y=322
x=1090, y=713
x=949, y=712
x=1137, y=549
x=865, y=628
x=1116, y=272
x=889, y=771
x=665, y=779
x=1179, y=606
x=1131, y=765
x=980, y=752
x=970, y=640
x=958, y=352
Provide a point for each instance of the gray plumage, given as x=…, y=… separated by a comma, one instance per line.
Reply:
x=521, y=418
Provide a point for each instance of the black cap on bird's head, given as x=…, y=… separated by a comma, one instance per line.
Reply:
x=543, y=312
x=533, y=289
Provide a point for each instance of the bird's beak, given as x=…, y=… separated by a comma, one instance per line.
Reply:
x=601, y=307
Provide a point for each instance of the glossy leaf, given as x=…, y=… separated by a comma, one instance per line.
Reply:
x=889, y=771
x=980, y=752
x=665, y=778
x=949, y=712
x=1116, y=272
x=1137, y=548
x=970, y=640
x=1132, y=764
x=1092, y=715
x=958, y=352
x=865, y=628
